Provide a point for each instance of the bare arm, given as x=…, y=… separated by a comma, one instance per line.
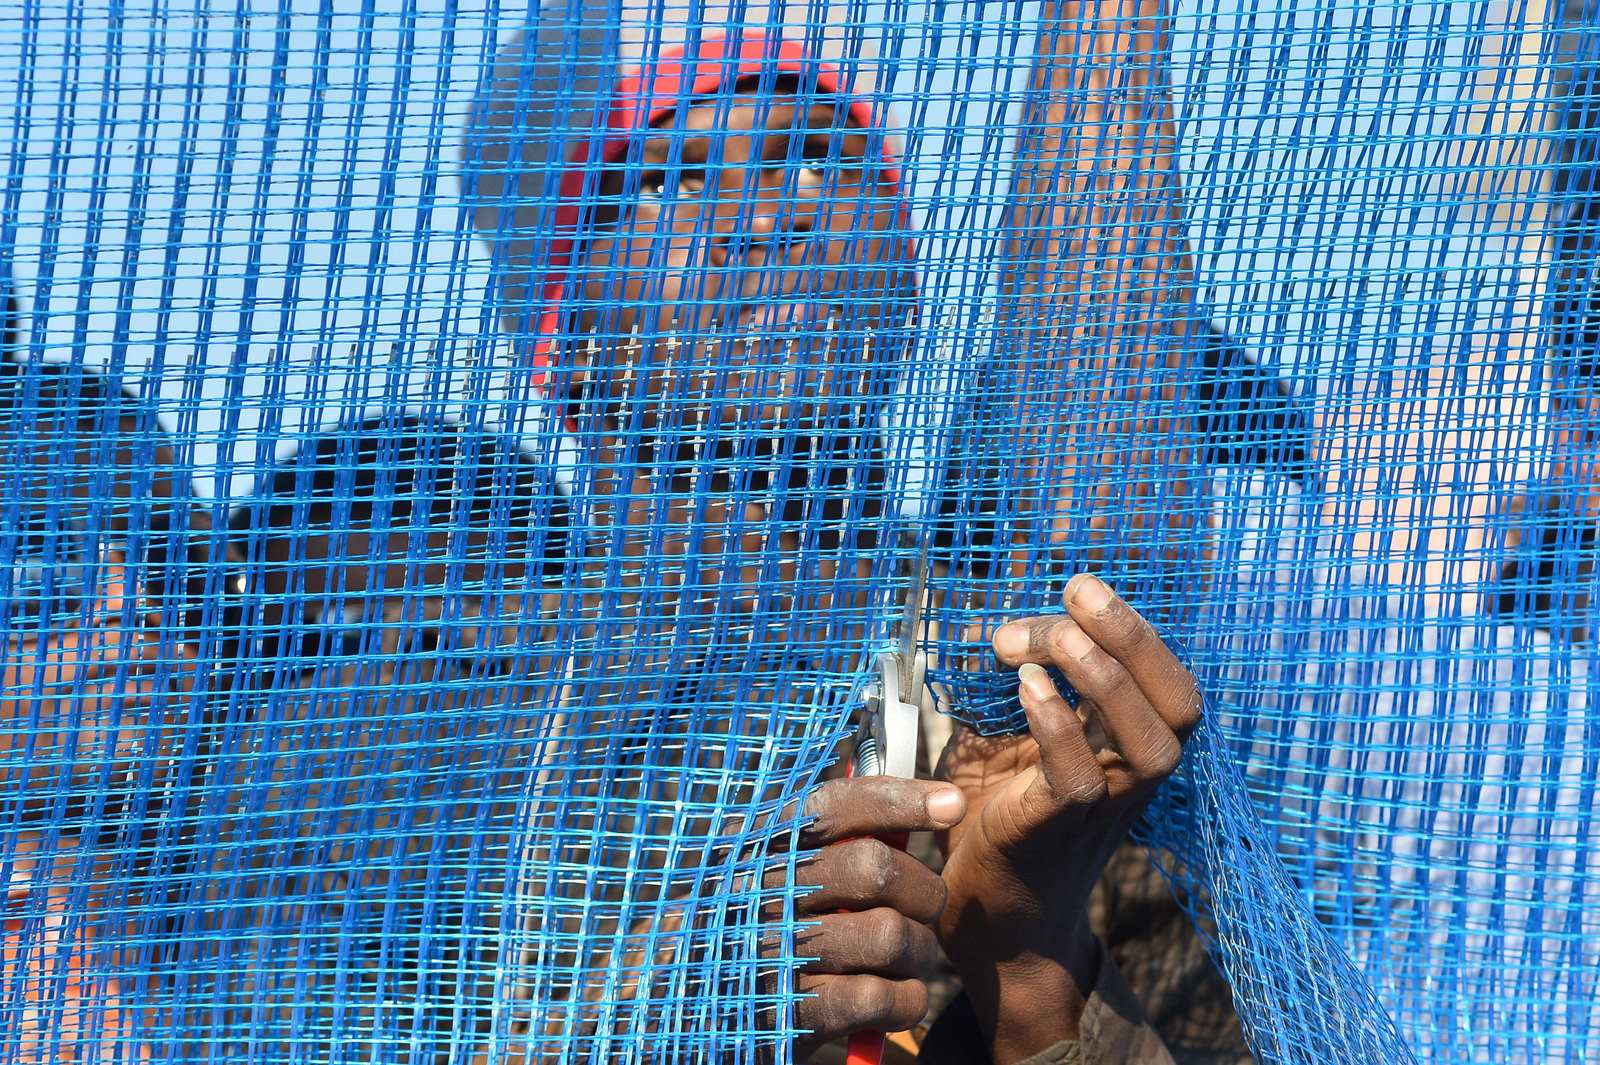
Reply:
x=1098, y=286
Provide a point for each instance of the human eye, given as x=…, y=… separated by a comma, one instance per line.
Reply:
x=47, y=580
x=668, y=182
x=618, y=189
x=821, y=157
x=29, y=601
x=653, y=185
x=692, y=179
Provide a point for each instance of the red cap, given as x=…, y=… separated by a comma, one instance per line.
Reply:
x=664, y=85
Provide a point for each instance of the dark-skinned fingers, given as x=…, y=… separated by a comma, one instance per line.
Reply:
x=1070, y=773
x=1147, y=744
x=881, y=942
x=878, y=806
x=1026, y=640
x=841, y=1005
x=863, y=874
x=1126, y=636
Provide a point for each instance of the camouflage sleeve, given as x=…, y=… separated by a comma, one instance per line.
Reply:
x=1113, y=1031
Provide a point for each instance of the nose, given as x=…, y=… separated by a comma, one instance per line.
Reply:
x=771, y=227
x=109, y=644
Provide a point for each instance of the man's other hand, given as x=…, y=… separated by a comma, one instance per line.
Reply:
x=1047, y=808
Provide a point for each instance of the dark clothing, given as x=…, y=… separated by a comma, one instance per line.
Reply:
x=1163, y=961
x=1113, y=1032
x=1158, y=1000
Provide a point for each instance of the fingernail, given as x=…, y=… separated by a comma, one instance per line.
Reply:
x=1072, y=639
x=1036, y=682
x=945, y=806
x=1088, y=591
x=1011, y=641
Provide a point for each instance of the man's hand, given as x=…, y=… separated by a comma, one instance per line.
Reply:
x=1048, y=808
x=873, y=946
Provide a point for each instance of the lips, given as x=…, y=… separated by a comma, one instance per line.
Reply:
x=755, y=413
x=795, y=478
x=765, y=319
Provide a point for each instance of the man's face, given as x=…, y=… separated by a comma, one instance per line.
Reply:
x=100, y=638
x=744, y=257
x=739, y=268
x=79, y=685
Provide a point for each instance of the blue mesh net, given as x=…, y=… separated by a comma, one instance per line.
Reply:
x=456, y=477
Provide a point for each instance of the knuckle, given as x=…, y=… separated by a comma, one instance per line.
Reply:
x=811, y=944
x=1109, y=681
x=811, y=1012
x=1041, y=631
x=904, y=801
x=872, y=1001
x=1127, y=628
x=1084, y=789
x=891, y=935
x=925, y=949
x=938, y=897
x=1038, y=804
x=830, y=792
x=872, y=863
x=827, y=1010
x=820, y=806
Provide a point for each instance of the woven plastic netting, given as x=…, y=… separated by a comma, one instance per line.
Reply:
x=456, y=477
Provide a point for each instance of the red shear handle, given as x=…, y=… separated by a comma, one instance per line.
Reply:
x=866, y=1048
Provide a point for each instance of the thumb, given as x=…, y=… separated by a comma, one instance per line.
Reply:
x=873, y=806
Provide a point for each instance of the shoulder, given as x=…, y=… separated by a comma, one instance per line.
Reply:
x=396, y=528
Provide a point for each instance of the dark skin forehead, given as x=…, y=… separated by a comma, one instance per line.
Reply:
x=751, y=127
x=779, y=115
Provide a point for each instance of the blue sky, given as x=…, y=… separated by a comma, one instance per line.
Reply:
x=231, y=213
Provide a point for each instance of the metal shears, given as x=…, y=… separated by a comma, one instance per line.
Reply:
x=888, y=746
